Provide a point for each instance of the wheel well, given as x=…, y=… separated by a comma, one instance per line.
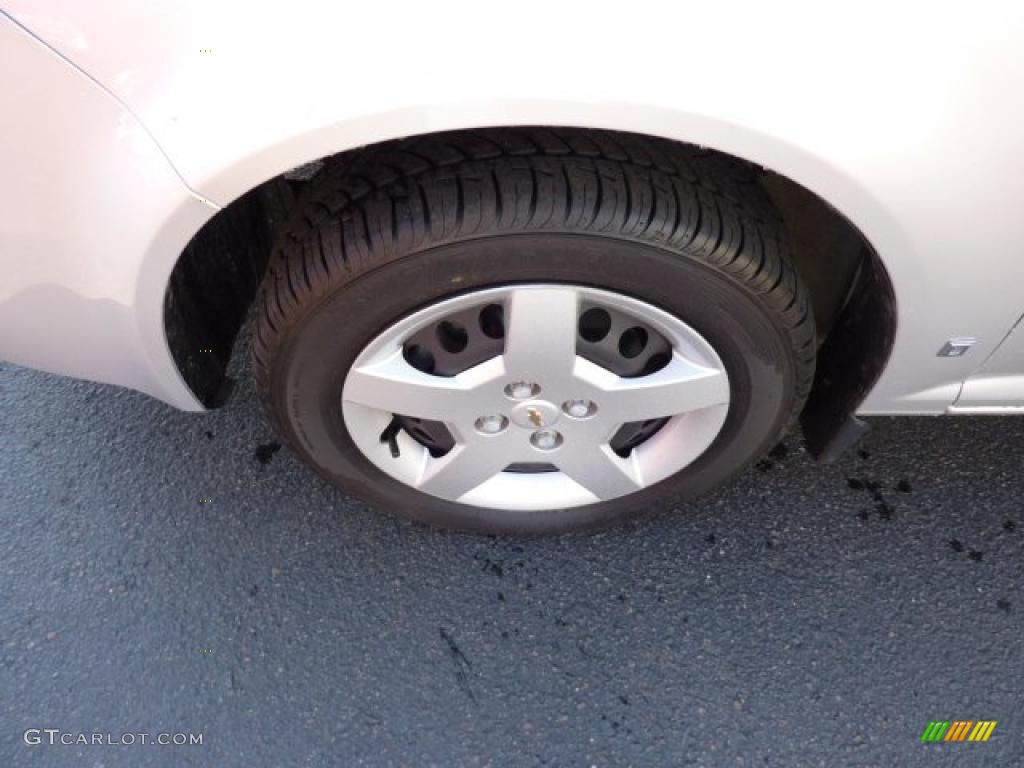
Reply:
x=854, y=309
x=215, y=280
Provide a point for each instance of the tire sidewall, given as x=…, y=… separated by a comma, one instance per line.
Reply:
x=314, y=358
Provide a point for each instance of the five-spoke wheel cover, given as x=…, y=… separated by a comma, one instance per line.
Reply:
x=533, y=398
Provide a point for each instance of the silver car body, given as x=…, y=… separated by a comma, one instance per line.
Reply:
x=126, y=126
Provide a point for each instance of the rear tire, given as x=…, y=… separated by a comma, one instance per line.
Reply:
x=388, y=230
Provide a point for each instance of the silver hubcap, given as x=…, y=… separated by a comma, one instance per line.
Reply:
x=540, y=403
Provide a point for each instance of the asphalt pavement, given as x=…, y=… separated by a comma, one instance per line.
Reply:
x=163, y=572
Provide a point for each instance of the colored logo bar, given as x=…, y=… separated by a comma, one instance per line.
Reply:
x=958, y=730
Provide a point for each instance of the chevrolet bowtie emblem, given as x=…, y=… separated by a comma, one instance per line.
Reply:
x=536, y=417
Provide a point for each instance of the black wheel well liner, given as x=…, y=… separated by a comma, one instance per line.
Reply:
x=215, y=280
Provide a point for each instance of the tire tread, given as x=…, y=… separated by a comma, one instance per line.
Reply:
x=372, y=205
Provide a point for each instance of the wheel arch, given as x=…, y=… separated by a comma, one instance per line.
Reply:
x=215, y=279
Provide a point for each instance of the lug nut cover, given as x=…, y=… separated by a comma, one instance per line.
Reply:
x=491, y=425
x=580, y=409
x=522, y=390
x=546, y=439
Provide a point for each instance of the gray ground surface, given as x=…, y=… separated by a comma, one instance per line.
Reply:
x=805, y=615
